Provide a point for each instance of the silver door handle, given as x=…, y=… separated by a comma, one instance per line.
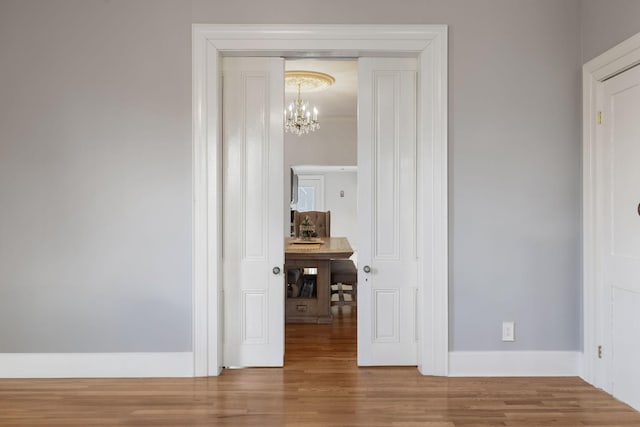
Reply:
x=366, y=269
x=276, y=270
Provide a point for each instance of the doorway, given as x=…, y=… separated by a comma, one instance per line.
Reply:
x=339, y=335
x=387, y=219
x=322, y=167
x=429, y=44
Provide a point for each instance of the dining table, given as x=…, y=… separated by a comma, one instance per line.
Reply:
x=302, y=256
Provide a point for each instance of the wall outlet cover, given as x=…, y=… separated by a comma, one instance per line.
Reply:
x=508, y=331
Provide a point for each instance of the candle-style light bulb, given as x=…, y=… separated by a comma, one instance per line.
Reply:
x=315, y=113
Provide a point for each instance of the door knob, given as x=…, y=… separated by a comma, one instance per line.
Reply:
x=276, y=270
x=366, y=269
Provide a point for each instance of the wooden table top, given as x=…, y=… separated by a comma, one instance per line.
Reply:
x=325, y=248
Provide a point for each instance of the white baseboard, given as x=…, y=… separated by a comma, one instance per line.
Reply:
x=122, y=365
x=515, y=363
x=95, y=365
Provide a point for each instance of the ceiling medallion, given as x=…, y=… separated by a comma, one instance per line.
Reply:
x=298, y=118
x=306, y=81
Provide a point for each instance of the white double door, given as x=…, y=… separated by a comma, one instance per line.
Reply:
x=253, y=232
x=619, y=231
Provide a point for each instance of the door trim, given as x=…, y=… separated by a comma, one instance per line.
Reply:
x=614, y=61
x=426, y=42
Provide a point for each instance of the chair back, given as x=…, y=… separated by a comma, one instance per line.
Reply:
x=320, y=219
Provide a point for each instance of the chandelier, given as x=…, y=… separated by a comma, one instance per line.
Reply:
x=299, y=118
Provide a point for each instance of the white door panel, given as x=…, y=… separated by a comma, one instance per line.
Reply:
x=387, y=211
x=626, y=327
x=620, y=230
x=625, y=107
x=253, y=101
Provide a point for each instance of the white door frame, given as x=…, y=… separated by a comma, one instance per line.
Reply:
x=426, y=42
x=614, y=61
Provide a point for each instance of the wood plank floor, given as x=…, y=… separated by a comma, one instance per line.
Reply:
x=319, y=386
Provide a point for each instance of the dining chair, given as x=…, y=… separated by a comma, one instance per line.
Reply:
x=344, y=281
x=320, y=219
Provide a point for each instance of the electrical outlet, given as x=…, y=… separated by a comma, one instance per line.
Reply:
x=508, y=331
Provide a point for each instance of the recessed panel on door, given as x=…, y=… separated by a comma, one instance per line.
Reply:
x=387, y=124
x=256, y=166
x=386, y=323
x=626, y=172
x=254, y=317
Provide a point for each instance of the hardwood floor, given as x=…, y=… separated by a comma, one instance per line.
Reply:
x=320, y=385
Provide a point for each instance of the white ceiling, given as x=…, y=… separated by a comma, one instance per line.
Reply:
x=340, y=99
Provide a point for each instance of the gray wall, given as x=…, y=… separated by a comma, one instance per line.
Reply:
x=334, y=144
x=344, y=209
x=514, y=175
x=605, y=23
x=95, y=166
x=95, y=176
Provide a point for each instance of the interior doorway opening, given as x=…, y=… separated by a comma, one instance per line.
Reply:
x=255, y=299
x=211, y=43
x=320, y=171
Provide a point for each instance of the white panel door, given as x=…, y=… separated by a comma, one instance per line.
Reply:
x=253, y=243
x=387, y=247
x=620, y=197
